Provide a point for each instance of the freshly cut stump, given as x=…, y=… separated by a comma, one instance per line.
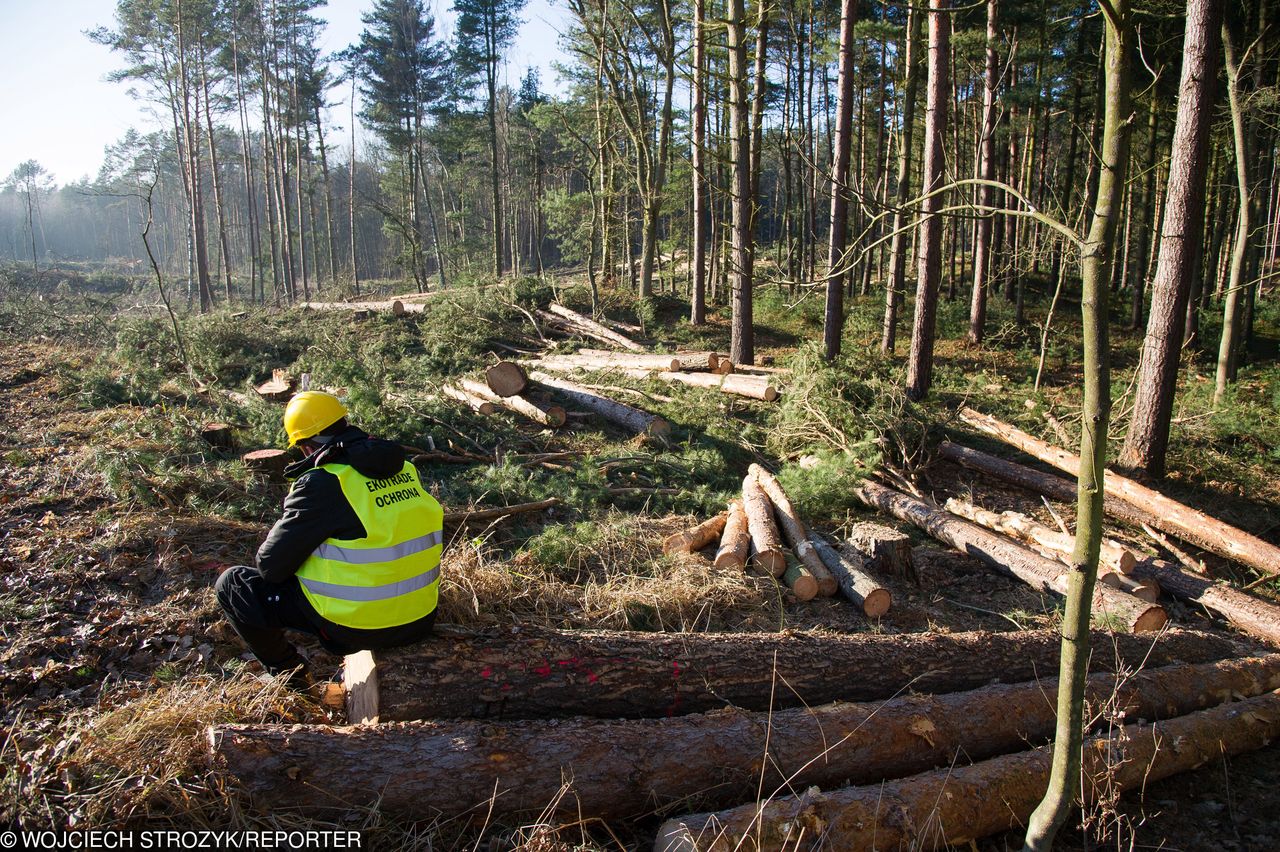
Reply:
x=887, y=551
x=267, y=463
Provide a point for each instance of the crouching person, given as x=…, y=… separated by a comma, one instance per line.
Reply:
x=355, y=558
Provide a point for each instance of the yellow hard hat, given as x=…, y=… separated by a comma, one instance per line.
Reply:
x=311, y=412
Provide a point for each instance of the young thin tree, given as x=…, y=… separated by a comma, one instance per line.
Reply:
x=484, y=29
x=1147, y=441
x=1096, y=257
x=741, y=338
x=896, y=285
x=698, y=119
x=836, y=254
x=929, y=265
x=987, y=172
x=1232, y=303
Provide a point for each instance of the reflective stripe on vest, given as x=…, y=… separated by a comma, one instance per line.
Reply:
x=390, y=577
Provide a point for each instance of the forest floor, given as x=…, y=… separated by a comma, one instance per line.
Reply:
x=115, y=521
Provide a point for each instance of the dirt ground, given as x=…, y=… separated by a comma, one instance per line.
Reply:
x=102, y=602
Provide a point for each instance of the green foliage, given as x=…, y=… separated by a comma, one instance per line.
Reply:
x=569, y=217
x=823, y=487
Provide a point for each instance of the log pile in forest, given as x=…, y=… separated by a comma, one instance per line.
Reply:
x=623, y=768
x=546, y=414
x=1166, y=514
x=670, y=369
x=1008, y=557
x=538, y=673
x=571, y=322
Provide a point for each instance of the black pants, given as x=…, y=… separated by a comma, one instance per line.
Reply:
x=260, y=612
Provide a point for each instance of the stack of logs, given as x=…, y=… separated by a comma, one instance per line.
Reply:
x=933, y=739
x=696, y=369
x=753, y=529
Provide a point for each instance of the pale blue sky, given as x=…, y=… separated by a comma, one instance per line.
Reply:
x=57, y=108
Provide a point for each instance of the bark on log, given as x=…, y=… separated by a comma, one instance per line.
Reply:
x=220, y=436
x=541, y=673
x=737, y=384
x=594, y=329
x=673, y=363
x=1147, y=589
x=858, y=586
x=1252, y=615
x=1051, y=543
x=1008, y=557
x=735, y=543
x=628, y=768
x=634, y=419
x=396, y=307
x=545, y=414
x=1038, y=481
x=885, y=550
x=696, y=538
x=470, y=516
x=951, y=807
x=267, y=463
x=278, y=388
x=794, y=530
x=766, y=544
x=800, y=581
x=506, y=378
x=1170, y=515
x=478, y=404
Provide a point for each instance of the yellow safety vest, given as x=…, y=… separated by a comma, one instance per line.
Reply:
x=392, y=575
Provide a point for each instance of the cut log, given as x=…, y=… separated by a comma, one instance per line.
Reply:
x=1009, y=557
x=850, y=572
x=886, y=551
x=278, y=388
x=220, y=436
x=360, y=684
x=595, y=329
x=546, y=414
x=723, y=365
x=269, y=464
x=620, y=769
x=673, y=363
x=478, y=404
x=1050, y=543
x=793, y=528
x=1170, y=515
x=396, y=307
x=697, y=537
x=753, y=387
x=954, y=806
x=470, y=516
x=1147, y=589
x=534, y=673
x=766, y=544
x=735, y=543
x=633, y=419
x=506, y=378
x=1114, y=555
x=800, y=581
x=1038, y=481
x=1252, y=615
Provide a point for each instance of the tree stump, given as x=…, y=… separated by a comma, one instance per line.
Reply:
x=220, y=436
x=885, y=550
x=278, y=388
x=269, y=464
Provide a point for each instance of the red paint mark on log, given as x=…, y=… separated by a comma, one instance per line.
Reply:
x=488, y=672
x=592, y=677
x=543, y=670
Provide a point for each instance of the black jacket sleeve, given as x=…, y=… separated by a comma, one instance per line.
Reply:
x=315, y=510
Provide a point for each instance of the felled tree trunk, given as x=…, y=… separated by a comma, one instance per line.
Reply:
x=1008, y=557
x=466, y=516
x=594, y=329
x=736, y=384
x=735, y=542
x=679, y=361
x=800, y=581
x=950, y=807
x=766, y=544
x=538, y=673
x=1170, y=515
x=506, y=378
x=548, y=415
x=628, y=768
x=1250, y=614
x=793, y=528
x=862, y=590
x=633, y=419
x=478, y=404
x=1054, y=544
x=696, y=538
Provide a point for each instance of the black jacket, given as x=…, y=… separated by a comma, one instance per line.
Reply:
x=316, y=509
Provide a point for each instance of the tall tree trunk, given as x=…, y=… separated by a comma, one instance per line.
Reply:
x=491, y=78
x=1229, y=344
x=1147, y=442
x=223, y=248
x=698, y=299
x=929, y=266
x=328, y=197
x=351, y=192
x=896, y=286
x=1139, y=277
x=836, y=253
x=1097, y=256
x=987, y=172
x=742, y=344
